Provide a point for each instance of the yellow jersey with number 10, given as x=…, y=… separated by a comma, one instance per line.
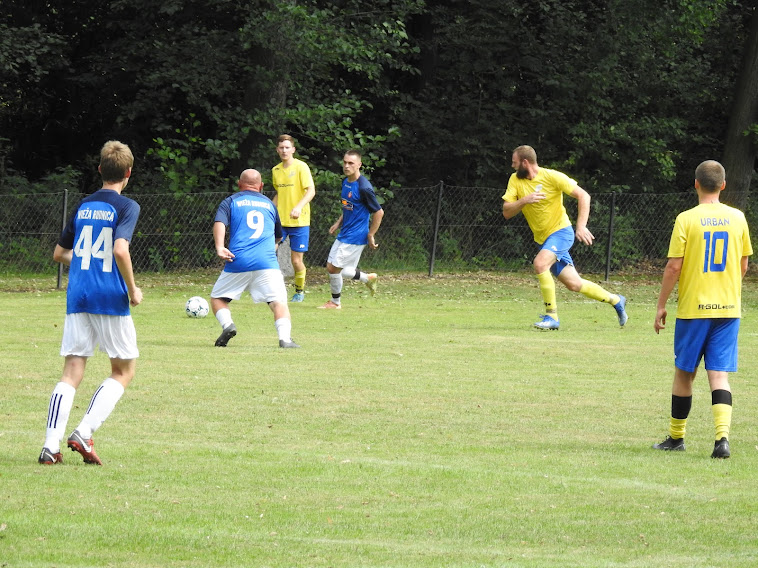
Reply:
x=290, y=185
x=547, y=216
x=711, y=238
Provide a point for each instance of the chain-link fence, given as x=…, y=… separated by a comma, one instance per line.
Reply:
x=436, y=228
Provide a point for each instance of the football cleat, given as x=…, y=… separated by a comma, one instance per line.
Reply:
x=298, y=297
x=547, y=322
x=721, y=449
x=670, y=445
x=85, y=447
x=229, y=332
x=47, y=457
x=330, y=306
x=371, y=284
x=621, y=311
x=288, y=344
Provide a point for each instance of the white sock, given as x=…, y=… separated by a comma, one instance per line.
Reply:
x=224, y=317
x=335, y=284
x=103, y=402
x=58, y=412
x=284, y=329
x=350, y=274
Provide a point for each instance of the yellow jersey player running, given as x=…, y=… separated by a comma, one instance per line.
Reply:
x=538, y=193
x=708, y=256
x=294, y=191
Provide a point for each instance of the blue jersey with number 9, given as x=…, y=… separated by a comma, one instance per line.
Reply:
x=95, y=285
x=254, y=226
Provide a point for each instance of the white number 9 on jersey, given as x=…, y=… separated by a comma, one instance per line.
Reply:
x=256, y=222
x=102, y=248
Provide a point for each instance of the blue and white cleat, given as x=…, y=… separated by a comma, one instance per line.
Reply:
x=620, y=311
x=547, y=322
x=298, y=297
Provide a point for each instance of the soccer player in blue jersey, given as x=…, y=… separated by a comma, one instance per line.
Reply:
x=708, y=257
x=360, y=220
x=251, y=263
x=101, y=287
x=538, y=193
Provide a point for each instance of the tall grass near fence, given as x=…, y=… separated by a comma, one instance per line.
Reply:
x=428, y=426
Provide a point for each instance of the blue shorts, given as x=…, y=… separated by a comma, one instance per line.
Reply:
x=559, y=244
x=715, y=339
x=299, y=237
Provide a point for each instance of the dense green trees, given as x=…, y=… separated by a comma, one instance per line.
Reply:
x=627, y=95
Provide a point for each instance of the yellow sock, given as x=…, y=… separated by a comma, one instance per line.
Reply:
x=677, y=427
x=300, y=280
x=722, y=418
x=547, y=287
x=597, y=292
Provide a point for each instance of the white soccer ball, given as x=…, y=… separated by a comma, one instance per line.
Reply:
x=196, y=307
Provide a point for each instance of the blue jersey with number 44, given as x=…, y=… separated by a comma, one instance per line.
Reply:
x=95, y=285
x=254, y=226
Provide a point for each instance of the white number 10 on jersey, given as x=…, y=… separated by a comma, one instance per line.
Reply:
x=102, y=248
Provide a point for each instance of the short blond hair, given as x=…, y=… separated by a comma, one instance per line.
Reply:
x=526, y=153
x=115, y=160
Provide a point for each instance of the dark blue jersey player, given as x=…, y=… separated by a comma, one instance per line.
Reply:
x=95, y=246
x=360, y=220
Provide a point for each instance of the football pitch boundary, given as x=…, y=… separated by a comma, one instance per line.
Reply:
x=427, y=426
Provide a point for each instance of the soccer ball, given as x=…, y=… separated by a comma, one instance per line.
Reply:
x=196, y=307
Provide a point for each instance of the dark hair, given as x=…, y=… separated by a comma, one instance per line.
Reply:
x=710, y=175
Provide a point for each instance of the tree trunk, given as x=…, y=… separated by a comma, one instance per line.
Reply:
x=739, y=150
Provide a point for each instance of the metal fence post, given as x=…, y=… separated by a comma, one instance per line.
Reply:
x=436, y=230
x=63, y=226
x=611, y=218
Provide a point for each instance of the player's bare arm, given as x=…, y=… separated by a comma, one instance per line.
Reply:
x=670, y=278
x=583, y=234
x=124, y=262
x=334, y=228
x=219, y=233
x=63, y=255
x=376, y=221
x=310, y=193
x=513, y=208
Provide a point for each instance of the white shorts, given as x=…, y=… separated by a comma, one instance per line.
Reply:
x=83, y=332
x=263, y=285
x=343, y=255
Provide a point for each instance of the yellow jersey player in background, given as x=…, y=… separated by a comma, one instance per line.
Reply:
x=538, y=193
x=708, y=256
x=294, y=191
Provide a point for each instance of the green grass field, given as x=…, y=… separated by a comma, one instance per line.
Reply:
x=429, y=426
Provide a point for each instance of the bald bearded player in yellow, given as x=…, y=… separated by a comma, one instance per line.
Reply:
x=538, y=193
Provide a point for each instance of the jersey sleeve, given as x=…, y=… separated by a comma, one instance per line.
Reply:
x=306, y=179
x=224, y=212
x=511, y=194
x=747, y=245
x=678, y=241
x=368, y=197
x=564, y=182
x=127, y=221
